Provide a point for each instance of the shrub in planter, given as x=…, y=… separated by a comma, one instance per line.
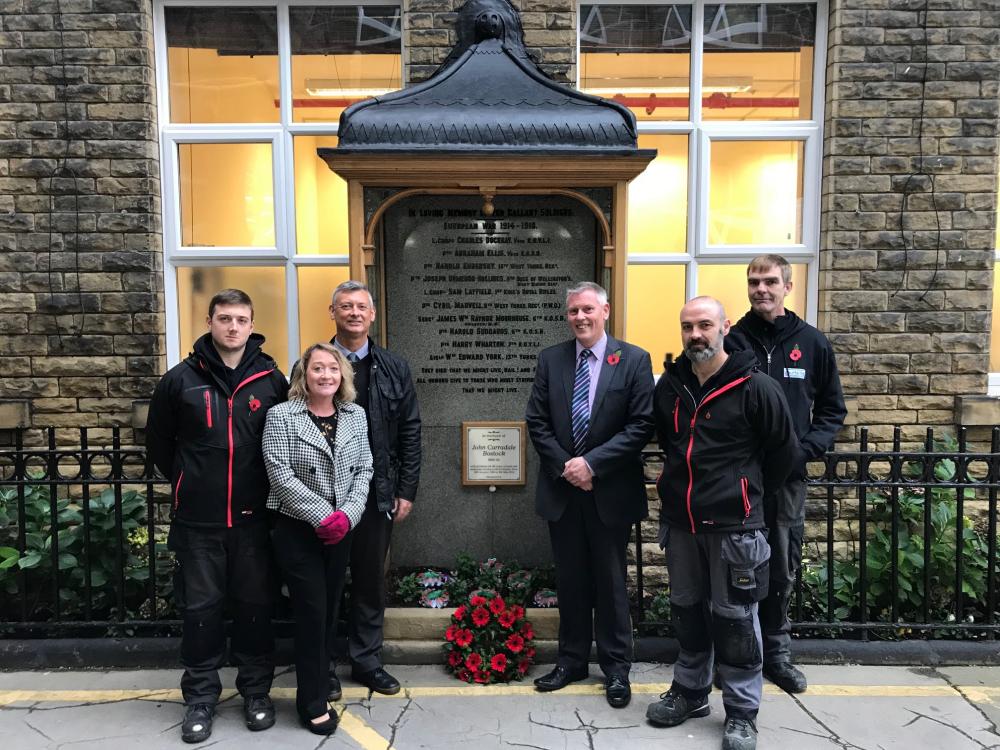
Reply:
x=489, y=640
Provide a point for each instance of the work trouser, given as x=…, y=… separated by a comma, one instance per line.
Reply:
x=314, y=573
x=716, y=580
x=784, y=514
x=214, y=565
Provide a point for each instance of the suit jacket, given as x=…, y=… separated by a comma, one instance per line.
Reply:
x=308, y=480
x=621, y=425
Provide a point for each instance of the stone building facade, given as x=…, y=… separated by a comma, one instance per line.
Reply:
x=907, y=218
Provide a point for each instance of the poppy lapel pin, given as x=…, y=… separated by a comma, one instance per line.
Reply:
x=796, y=354
x=615, y=357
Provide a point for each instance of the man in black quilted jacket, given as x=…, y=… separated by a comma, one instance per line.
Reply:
x=206, y=420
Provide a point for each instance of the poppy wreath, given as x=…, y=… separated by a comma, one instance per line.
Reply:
x=489, y=640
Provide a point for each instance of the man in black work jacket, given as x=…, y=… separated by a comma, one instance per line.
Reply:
x=206, y=420
x=385, y=391
x=727, y=439
x=801, y=359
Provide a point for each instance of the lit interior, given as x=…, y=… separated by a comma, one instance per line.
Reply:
x=995, y=329
x=655, y=295
x=657, y=199
x=266, y=287
x=320, y=200
x=728, y=284
x=735, y=85
x=755, y=193
x=226, y=194
x=208, y=87
x=323, y=86
x=316, y=285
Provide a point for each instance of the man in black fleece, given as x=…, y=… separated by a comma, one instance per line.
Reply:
x=801, y=359
x=206, y=420
x=727, y=440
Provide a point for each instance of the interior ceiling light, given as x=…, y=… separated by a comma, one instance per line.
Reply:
x=665, y=86
x=332, y=87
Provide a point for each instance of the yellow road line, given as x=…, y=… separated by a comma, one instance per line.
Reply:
x=974, y=693
x=361, y=733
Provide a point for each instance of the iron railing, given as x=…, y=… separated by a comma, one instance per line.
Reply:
x=83, y=529
x=910, y=543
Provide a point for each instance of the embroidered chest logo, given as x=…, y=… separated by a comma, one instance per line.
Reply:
x=795, y=354
x=253, y=403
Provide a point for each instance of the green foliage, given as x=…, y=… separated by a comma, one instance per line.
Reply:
x=908, y=553
x=78, y=562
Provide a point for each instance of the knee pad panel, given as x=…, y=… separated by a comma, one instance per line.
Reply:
x=736, y=643
x=691, y=625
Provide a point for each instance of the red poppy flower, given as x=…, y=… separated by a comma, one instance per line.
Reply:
x=614, y=359
x=530, y=653
x=518, y=611
x=515, y=643
x=477, y=601
x=796, y=354
x=480, y=616
x=254, y=404
x=459, y=614
x=449, y=634
x=498, y=663
x=454, y=659
x=497, y=605
x=507, y=619
x=482, y=677
x=474, y=661
x=463, y=638
x=527, y=631
x=523, y=666
x=464, y=675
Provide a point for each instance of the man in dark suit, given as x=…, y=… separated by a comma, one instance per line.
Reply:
x=589, y=415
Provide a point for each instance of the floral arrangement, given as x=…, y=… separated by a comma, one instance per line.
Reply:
x=489, y=640
x=437, y=588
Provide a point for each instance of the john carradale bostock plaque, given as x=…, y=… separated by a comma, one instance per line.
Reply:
x=476, y=198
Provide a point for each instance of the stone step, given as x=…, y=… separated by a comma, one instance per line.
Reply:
x=422, y=624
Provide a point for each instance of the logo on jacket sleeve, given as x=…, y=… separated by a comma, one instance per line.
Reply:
x=796, y=354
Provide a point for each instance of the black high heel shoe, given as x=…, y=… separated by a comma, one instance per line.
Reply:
x=326, y=728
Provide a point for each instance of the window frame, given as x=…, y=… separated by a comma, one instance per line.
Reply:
x=281, y=135
x=701, y=133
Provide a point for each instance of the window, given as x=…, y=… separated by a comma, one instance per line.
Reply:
x=993, y=387
x=726, y=94
x=248, y=93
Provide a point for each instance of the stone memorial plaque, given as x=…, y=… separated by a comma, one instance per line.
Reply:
x=470, y=301
x=493, y=453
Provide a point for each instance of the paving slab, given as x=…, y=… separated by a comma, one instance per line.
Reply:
x=846, y=708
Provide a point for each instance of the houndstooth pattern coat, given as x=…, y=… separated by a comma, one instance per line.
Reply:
x=305, y=474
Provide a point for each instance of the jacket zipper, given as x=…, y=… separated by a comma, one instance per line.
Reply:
x=208, y=408
x=694, y=417
x=744, y=488
x=229, y=484
x=677, y=406
x=177, y=490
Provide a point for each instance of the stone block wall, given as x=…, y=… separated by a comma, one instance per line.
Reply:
x=80, y=331
x=909, y=206
x=549, y=35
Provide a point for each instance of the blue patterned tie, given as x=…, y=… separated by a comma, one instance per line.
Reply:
x=352, y=357
x=581, y=403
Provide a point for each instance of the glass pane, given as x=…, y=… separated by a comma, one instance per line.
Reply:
x=266, y=287
x=758, y=62
x=227, y=194
x=655, y=295
x=639, y=55
x=341, y=55
x=755, y=193
x=657, y=199
x=316, y=285
x=995, y=325
x=320, y=199
x=728, y=284
x=222, y=64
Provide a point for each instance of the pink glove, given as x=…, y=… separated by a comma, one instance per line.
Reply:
x=334, y=527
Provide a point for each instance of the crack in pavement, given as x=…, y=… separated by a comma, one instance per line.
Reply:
x=590, y=728
x=831, y=735
x=993, y=729
x=395, y=724
x=917, y=716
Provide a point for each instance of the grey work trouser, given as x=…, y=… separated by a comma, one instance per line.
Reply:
x=716, y=580
x=784, y=514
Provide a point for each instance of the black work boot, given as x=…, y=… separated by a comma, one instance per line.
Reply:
x=787, y=676
x=673, y=709
x=197, y=724
x=259, y=712
x=739, y=734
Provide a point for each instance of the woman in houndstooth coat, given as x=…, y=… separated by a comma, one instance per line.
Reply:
x=320, y=465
